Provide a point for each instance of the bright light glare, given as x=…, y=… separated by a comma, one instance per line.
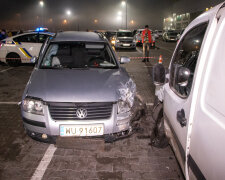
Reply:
x=119, y=13
x=41, y=3
x=123, y=3
x=119, y=18
x=68, y=12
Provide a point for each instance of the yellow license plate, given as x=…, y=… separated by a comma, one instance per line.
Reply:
x=82, y=130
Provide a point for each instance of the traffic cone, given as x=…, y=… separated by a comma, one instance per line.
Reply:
x=160, y=59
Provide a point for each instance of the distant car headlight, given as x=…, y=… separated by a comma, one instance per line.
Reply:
x=113, y=41
x=127, y=94
x=33, y=106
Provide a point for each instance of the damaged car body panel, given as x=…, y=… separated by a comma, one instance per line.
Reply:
x=78, y=88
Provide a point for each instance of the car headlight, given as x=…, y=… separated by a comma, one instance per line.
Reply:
x=123, y=107
x=127, y=93
x=33, y=106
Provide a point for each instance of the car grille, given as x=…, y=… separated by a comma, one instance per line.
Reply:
x=67, y=111
x=126, y=41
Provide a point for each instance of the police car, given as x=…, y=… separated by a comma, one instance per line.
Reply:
x=20, y=48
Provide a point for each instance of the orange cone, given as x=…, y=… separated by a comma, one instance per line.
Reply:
x=160, y=59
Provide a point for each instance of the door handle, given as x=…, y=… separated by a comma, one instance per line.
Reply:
x=181, y=118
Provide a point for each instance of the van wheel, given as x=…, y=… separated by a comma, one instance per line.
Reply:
x=158, y=136
x=13, y=59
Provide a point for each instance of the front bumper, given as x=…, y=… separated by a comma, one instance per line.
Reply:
x=38, y=124
x=125, y=45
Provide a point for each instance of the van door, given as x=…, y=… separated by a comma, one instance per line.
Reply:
x=177, y=97
x=207, y=145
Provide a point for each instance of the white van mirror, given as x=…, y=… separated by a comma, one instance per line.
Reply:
x=182, y=76
x=159, y=74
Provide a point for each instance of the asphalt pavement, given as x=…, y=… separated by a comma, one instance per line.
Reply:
x=73, y=158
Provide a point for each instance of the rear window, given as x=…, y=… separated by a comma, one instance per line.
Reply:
x=172, y=33
x=125, y=34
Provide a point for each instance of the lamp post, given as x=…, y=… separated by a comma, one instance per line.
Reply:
x=41, y=3
x=124, y=3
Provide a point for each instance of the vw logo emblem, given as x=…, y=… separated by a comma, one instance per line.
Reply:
x=81, y=113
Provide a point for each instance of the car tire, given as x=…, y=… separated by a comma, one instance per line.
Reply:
x=11, y=61
x=158, y=136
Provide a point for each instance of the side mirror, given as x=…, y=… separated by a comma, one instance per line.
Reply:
x=182, y=76
x=124, y=60
x=159, y=74
x=33, y=59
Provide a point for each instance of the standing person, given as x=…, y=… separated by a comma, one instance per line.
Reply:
x=146, y=41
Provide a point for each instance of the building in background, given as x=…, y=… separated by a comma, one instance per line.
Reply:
x=179, y=22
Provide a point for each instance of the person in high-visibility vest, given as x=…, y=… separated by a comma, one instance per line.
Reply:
x=146, y=41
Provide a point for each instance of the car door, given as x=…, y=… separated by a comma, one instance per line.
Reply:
x=27, y=44
x=177, y=98
x=207, y=145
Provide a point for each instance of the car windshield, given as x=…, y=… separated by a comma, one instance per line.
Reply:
x=125, y=34
x=172, y=33
x=78, y=55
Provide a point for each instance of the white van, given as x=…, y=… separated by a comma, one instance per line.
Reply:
x=192, y=97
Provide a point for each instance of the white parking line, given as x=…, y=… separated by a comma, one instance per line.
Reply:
x=6, y=69
x=139, y=50
x=5, y=103
x=148, y=66
x=39, y=172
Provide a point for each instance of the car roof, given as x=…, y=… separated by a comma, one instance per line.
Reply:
x=27, y=33
x=123, y=30
x=78, y=36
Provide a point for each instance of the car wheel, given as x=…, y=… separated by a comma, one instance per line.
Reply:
x=13, y=59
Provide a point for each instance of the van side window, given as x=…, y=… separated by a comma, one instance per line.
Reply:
x=186, y=56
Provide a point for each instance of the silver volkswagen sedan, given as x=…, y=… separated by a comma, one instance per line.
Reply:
x=78, y=88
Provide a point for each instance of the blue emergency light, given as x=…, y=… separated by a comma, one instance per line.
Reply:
x=40, y=29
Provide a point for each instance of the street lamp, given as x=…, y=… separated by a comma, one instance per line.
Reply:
x=124, y=3
x=41, y=3
x=68, y=12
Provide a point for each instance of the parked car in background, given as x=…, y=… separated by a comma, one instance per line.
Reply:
x=138, y=38
x=125, y=39
x=180, y=34
x=20, y=48
x=78, y=88
x=191, y=106
x=170, y=36
x=159, y=33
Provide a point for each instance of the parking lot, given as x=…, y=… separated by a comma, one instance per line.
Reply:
x=73, y=158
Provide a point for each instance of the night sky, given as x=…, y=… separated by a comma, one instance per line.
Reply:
x=27, y=14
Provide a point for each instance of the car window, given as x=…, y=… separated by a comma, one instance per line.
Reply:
x=42, y=38
x=125, y=34
x=186, y=56
x=79, y=55
x=29, y=38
